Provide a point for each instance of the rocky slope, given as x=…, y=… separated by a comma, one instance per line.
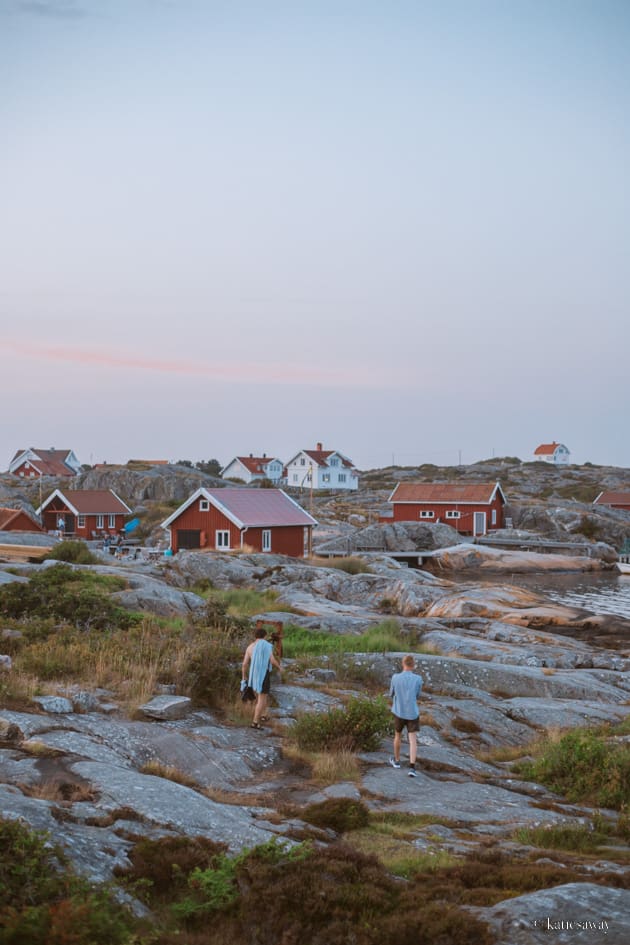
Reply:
x=498, y=674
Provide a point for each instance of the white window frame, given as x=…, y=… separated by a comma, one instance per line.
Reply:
x=204, y=505
x=111, y=521
x=222, y=539
x=426, y=513
x=80, y=521
x=325, y=477
x=494, y=517
x=100, y=521
x=342, y=477
x=295, y=477
x=266, y=539
x=453, y=513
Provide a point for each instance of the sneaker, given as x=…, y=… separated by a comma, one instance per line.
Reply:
x=394, y=763
x=413, y=773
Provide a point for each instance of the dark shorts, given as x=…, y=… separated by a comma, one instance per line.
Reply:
x=266, y=686
x=412, y=725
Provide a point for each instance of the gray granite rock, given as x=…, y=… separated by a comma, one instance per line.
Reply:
x=167, y=707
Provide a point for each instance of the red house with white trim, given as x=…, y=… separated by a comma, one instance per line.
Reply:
x=32, y=463
x=231, y=519
x=473, y=509
x=84, y=513
x=17, y=520
x=614, y=500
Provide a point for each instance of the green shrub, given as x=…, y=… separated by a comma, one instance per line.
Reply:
x=359, y=726
x=585, y=767
x=63, y=593
x=161, y=868
x=74, y=552
x=213, y=672
x=42, y=902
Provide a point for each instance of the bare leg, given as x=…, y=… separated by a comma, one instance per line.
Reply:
x=413, y=747
x=397, y=741
x=262, y=701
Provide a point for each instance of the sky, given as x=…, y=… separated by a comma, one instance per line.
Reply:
x=400, y=229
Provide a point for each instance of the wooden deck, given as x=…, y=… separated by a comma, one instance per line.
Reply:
x=23, y=552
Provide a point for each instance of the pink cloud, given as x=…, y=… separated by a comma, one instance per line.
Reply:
x=235, y=372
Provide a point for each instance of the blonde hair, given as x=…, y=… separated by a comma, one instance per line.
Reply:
x=409, y=661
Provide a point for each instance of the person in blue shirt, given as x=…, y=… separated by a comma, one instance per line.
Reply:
x=259, y=658
x=404, y=690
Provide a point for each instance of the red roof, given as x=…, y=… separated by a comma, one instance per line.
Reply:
x=546, y=449
x=321, y=457
x=251, y=508
x=8, y=516
x=613, y=498
x=91, y=501
x=255, y=464
x=49, y=462
x=481, y=493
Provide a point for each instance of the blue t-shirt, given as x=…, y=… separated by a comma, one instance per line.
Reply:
x=405, y=688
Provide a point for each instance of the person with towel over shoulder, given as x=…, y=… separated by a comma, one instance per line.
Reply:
x=259, y=658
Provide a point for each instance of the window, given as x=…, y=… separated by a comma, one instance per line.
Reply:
x=342, y=477
x=100, y=521
x=111, y=521
x=325, y=477
x=266, y=539
x=81, y=521
x=295, y=477
x=427, y=513
x=204, y=505
x=222, y=539
x=453, y=514
x=494, y=516
x=334, y=462
x=302, y=462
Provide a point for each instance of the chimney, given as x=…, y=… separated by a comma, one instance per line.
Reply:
x=319, y=447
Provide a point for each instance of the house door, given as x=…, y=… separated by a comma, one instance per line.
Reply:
x=188, y=538
x=479, y=524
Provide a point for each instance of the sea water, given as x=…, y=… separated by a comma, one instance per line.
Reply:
x=601, y=593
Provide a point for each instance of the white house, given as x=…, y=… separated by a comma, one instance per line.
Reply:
x=321, y=469
x=250, y=468
x=555, y=453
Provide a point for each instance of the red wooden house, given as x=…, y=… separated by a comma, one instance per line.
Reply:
x=231, y=519
x=17, y=520
x=84, y=513
x=35, y=463
x=473, y=509
x=614, y=500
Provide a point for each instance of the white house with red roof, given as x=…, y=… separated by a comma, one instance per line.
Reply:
x=84, y=513
x=254, y=468
x=235, y=519
x=556, y=453
x=321, y=469
x=32, y=463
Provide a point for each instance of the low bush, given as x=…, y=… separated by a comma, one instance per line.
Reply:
x=42, y=901
x=585, y=766
x=359, y=726
x=340, y=814
x=63, y=593
x=74, y=552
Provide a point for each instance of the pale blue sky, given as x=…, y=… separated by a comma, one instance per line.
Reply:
x=399, y=228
